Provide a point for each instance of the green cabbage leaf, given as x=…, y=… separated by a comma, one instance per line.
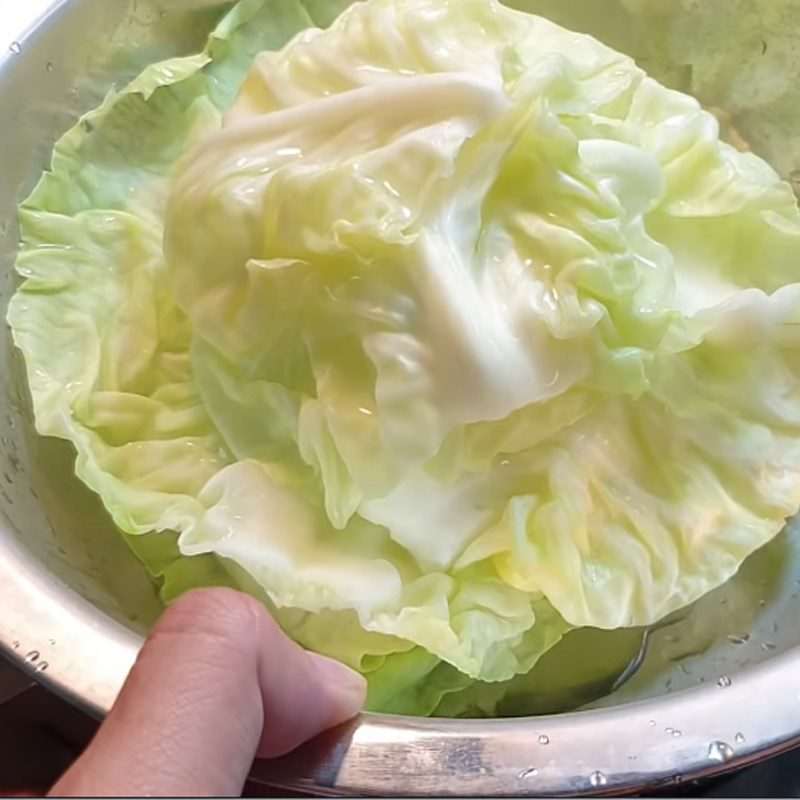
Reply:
x=439, y=327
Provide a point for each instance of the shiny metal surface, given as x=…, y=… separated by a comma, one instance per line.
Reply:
x=74, y=603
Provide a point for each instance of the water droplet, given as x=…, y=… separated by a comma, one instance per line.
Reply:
x=15, y=48
x=49, y=66
x=597, y=778
x=669, y=731
x=41, y=666
x=720, y=752
x=652, y=723
x=32, y=656
x=734, y=639
x=15, y=645
x=544, y=739
x=51, y=642
x=531, y=772
x=724, y=681
x=676, y=733
x=739, y=738
x=767, y=646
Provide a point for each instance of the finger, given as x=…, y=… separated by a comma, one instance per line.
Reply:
x=216, y=683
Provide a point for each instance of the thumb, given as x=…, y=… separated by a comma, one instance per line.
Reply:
x=216, y=684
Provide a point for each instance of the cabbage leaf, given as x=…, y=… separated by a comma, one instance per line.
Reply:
x=442, y=329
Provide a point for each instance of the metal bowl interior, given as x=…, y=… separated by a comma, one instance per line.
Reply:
x=719, y=687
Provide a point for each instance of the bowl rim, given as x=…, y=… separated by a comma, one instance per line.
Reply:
x=82, y=654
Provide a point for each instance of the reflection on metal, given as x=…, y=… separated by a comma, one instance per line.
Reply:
x=17, y=17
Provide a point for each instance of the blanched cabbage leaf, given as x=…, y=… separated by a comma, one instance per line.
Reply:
x=739, y=58
x=442, y=329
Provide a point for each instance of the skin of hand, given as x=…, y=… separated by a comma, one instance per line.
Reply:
x=216, y=685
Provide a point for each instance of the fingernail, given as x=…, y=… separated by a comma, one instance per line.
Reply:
x=345, y=687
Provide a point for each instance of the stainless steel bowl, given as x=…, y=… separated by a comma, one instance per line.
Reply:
x=718, y=690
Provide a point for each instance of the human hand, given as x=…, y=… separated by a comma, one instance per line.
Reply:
x=216, y=685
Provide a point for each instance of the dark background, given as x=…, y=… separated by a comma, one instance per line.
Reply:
x=41, y=735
